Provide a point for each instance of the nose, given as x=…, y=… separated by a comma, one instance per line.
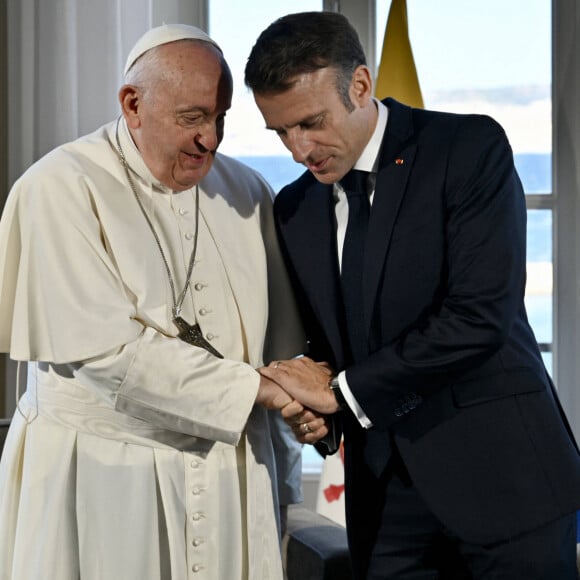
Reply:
x=299, y=145
x=208, y=137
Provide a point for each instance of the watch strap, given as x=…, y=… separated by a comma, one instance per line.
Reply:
x=335, y=388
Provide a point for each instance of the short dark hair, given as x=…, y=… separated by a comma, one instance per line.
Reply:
x=303, y=43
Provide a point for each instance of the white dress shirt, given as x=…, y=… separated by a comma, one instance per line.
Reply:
x=368, y=161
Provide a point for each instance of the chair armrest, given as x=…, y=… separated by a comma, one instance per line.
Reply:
x=315, y=548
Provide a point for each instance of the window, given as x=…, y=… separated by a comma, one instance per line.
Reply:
x=246, y=137
x=497, y=69
x=509, y=79
x=471, y=59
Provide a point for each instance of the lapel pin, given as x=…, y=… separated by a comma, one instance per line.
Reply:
x=399, y=161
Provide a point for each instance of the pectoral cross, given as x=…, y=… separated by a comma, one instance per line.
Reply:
x=191, y=333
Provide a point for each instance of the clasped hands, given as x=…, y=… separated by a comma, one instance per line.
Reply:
x=299, y=388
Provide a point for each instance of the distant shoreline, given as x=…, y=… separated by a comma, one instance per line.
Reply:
x=535, y=170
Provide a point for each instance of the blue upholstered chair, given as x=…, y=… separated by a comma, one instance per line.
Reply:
x=315, y=548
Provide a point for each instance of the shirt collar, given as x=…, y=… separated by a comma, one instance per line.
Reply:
x=369, y=160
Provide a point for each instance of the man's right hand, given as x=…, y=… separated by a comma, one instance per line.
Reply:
x=271, y=395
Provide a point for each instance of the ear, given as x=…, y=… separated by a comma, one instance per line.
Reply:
x=130, y=100
x=361, y=86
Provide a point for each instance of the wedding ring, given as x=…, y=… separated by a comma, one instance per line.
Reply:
x=305, y=428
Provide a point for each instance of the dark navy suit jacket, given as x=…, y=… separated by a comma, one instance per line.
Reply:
x=453, y=371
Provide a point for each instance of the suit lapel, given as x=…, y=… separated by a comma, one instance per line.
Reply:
x=310, y=229
x=312, y=234
x=395, y=162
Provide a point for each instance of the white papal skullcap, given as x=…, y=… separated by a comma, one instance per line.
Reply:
x=162, y=35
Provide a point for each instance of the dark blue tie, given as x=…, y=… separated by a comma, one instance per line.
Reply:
x=377, y=449
x=355, y=186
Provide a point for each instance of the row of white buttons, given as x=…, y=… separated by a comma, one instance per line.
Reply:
x=203, y=311
x=197, y=516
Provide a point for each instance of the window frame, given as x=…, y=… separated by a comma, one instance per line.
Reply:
x=563, y=200
x=566, y=196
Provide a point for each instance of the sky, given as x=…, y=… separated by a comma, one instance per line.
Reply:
x=489, y=44
x=457, y=44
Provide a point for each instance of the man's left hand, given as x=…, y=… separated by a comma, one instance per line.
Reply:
x=308, y=426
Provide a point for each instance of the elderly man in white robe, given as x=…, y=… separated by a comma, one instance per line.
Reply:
x=141, y=281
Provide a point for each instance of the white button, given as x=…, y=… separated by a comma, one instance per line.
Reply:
x=203, y=311
x=195, y=464
x=188, y=236
x=199, y=286
x=196, y=568
x=196, y=490
x=182, y=211
x=197, y=516
x=210, y=336
x=197, y=542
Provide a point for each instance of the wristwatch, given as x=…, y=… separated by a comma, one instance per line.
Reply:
x=335, y=388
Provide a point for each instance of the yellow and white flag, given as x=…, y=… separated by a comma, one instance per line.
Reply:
x=397, y=76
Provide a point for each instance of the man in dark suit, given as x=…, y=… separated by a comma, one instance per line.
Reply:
x=456, y=448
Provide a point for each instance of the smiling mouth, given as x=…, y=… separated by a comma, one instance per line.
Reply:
x=194, y=159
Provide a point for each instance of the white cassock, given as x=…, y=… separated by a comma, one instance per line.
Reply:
x=134, y=455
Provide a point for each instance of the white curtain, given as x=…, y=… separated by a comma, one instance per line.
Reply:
x=65, y=65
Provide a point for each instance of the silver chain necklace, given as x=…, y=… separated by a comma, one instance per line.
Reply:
x=190, y=333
